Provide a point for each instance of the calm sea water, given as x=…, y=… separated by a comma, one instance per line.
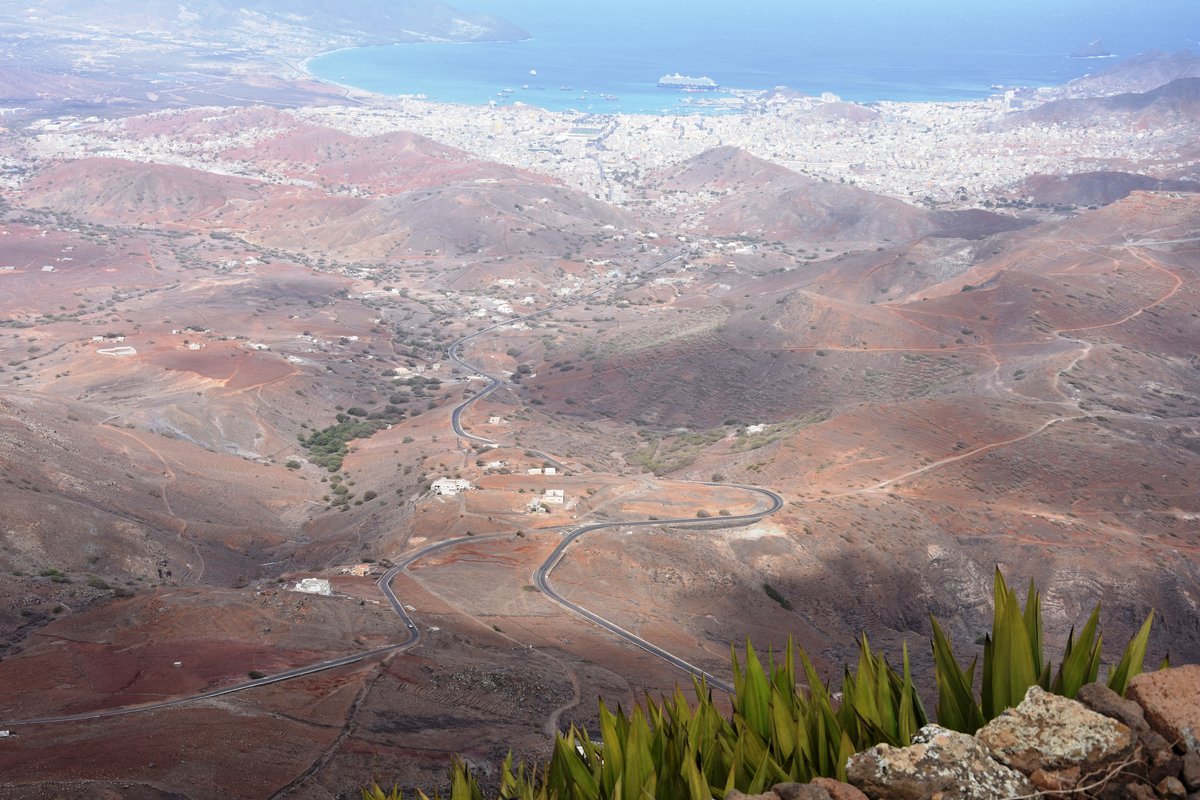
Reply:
x=607, y=57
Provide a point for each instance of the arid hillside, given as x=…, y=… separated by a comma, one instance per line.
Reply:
x=242, y=351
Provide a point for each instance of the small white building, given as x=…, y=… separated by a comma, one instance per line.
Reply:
x=450, y=486
x=314, y=586
x=495, y=420
x=541, y=471
x=554, y=497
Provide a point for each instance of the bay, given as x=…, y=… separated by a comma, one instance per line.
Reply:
x=605, y=58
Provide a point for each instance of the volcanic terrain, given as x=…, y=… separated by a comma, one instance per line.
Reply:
x=237, y=349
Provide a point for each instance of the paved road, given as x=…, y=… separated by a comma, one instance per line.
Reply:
x=541, y=576
x=384, y=584
x=454, y=353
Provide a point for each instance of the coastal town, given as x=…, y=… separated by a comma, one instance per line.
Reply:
x=954, y=153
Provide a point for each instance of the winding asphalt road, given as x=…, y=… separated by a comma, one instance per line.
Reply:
x=541, y=576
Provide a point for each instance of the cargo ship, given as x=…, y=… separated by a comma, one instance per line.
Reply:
x=687, y=83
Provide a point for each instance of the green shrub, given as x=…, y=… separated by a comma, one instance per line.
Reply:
x=775, y=595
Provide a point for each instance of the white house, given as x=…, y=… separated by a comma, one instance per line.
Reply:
x=554, y=497
x=450, y=486
x=314, y=586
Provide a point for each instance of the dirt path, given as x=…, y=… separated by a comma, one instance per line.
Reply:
x=550, y=729
x=165, y=496
x=883, y=485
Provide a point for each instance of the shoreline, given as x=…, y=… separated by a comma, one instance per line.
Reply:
x=680, y=109
x=351, y=91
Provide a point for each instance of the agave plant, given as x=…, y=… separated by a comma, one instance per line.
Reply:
x=1013, y=661
x=779, y=731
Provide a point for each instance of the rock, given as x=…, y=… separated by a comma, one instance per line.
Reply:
x=1103, y=700
x=1171, y=789
x=1053, y=733
x=1055, y=780
x=1190, y=772
x=940, y=763
x=1139, y=791
x=1160, y=757
x=1171, y=701
x=800, y=791
x=838, y=790
x=734, y=794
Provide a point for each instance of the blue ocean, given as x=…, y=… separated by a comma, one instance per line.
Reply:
x=607, y=57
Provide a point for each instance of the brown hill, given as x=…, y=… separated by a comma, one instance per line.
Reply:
x=1095, y=188
x=743, y=194
x=497, y=219
x=476, y=215
x=388, y=163
x=1175, y=103
x=128, y=192
x=1141, y=73
x=808, y=340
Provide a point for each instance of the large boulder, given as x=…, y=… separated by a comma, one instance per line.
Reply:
x=1171, y=700
x=941, y=763
x=1053, y=734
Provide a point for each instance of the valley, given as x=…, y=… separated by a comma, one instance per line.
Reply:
x=555, y=415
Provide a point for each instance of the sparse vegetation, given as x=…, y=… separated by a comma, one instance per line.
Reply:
x=777, y=596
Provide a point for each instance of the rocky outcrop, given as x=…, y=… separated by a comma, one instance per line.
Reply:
x=940, y=762
x=1100, y=746
x=1050, y=733
x=1171, y=699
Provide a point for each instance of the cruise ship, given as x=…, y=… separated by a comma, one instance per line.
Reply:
x=687, y=83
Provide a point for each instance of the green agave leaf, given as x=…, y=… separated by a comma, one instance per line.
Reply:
x=755, y=697
x=569, y=773
x=956, y=706
x=1079, y=658
x=1009, y=667
x=1133, y=659
x=698, y=788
